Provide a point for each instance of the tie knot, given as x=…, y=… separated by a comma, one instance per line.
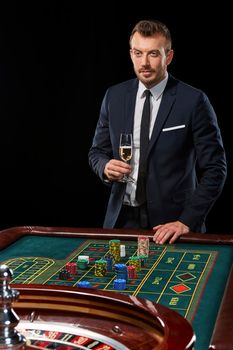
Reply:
x=147, y=93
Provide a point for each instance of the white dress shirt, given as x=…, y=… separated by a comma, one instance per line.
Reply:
x=156, y=96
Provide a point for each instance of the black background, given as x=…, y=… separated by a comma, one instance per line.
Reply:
x=57, y=60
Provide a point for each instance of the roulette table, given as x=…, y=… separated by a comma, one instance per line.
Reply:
x=181, y=289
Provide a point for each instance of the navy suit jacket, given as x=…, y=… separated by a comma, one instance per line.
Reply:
x=186, y=158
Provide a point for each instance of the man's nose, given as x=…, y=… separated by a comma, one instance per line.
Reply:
x=145, y=60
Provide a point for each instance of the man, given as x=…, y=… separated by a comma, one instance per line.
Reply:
x=185, y=165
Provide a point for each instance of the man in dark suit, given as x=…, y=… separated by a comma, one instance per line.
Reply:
x=185, y=159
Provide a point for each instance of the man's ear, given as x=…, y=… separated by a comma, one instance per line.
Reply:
x=169, y=58
x=131, y=54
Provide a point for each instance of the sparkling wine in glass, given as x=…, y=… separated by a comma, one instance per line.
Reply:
x=126, y=151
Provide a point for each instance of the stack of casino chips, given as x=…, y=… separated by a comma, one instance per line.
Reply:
x=64, y=275
x=114, y=250
x=84, y=284
x=122, y=251
x=143, y=259
x=83, y=261
x=136, y=262
x=72, y=268
x=100, y=268
x=84, y=257
x=143, y=246
x=119, y=284
x=108, y=258
x=121, y=271
x=131, y=272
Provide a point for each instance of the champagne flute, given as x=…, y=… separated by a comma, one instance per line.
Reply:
x=126, y=152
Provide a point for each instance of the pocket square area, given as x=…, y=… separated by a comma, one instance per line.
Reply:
x=174, y=127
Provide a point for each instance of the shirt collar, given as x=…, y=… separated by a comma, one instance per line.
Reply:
x=156, y=90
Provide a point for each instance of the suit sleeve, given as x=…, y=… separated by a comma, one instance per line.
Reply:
x=101, y=150
x=211, y=161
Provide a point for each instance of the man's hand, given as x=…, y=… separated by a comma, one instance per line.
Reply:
x=115, y=170
x=169, y=232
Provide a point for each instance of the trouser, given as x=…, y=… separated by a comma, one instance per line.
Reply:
x=133, y=217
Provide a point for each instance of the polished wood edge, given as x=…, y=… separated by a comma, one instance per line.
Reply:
x=222, y=335
x=9, y=235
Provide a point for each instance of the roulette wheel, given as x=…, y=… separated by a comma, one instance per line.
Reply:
x=68, y=318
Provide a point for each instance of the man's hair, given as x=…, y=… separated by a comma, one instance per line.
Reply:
x=150, y=28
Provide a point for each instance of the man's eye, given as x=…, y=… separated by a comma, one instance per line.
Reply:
x=154, y=53
x=138, y=54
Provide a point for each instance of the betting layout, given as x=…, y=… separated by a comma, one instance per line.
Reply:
x=167, y=274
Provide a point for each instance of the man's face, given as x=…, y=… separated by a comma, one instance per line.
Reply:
x=150, y=58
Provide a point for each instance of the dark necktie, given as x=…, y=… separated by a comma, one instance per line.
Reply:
x=144, y=143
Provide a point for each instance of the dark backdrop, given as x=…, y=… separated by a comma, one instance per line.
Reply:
x=56, y=63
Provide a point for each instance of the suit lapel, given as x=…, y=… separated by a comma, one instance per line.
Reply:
x=167, y=102
x=130, y=99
